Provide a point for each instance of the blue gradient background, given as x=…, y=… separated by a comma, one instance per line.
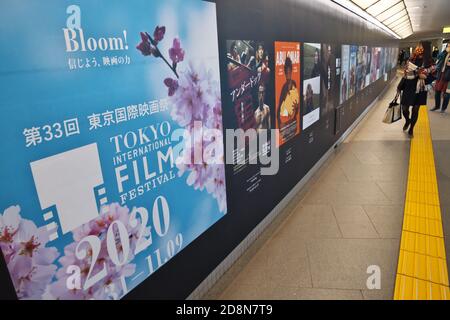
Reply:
x=37, y=88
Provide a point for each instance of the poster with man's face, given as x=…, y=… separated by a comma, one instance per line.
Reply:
x=287, y=88
x=311, y=84
x=248, y=74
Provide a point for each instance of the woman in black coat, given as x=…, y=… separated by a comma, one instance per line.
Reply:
x=414, y=88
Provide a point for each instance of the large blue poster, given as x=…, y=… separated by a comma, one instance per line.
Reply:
x=104, y=108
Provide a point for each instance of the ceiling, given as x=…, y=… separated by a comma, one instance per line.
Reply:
x=404, y=19
x=428, y=17
x=392, y=14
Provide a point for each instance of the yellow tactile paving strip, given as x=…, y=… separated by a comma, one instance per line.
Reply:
x=422, y=265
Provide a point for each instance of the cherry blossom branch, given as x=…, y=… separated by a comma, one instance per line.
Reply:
x=159, y=54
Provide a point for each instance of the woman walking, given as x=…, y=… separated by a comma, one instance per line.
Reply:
x=414, y=84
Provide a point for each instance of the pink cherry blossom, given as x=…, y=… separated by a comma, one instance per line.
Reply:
x=145, y=47
x=172, y=84
x=30, y=262
x=197, y=99
x=217, y=187
x=109, y=287
x=158, y=34
x=176, y=53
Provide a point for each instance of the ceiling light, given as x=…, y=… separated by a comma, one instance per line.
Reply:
x=398, y=22
x=404, y=30
x=404, y=36
x=389, y=15
x=364, y=4
x=395, y=17
x=401, y=26
x=391, y=12
x=352, y=7
x=381, y=6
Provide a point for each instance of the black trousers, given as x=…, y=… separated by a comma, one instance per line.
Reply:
x=414, y=115
x=437, y=98
x=446, y=101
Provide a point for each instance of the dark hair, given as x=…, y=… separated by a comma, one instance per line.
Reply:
x=287, y=64
x=427, y=58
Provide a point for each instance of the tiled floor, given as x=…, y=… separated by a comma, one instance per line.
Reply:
x=350, y=219
x=440, y=131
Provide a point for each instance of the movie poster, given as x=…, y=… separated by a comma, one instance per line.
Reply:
x=331, y=71
x=352, y=71
x=387, y=60
x=248, y=75
x=394, y=57
x=345, y=71
x=98, y=187
x=391, y=59
x=369, y=64
x=361, y=67
x=374, y=68
x=379, y=62
x=287, y=88
x=382, y=62
x=311, y=83
x=249, y=105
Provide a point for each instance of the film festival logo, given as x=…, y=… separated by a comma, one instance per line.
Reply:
x=75, y=204
x=58, y=194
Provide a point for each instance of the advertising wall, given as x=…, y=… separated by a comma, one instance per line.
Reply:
x=103, y=195
x=95, y=143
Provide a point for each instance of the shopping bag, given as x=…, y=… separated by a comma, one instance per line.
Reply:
x=393, y=112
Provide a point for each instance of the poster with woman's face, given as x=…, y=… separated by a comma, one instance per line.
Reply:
x=287, y=88
x=345, y=63
x=311, y=84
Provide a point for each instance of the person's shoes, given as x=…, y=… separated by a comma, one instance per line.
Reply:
x=442, y=111
x=435, y=109
x=406, y=126
x=411, y=133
